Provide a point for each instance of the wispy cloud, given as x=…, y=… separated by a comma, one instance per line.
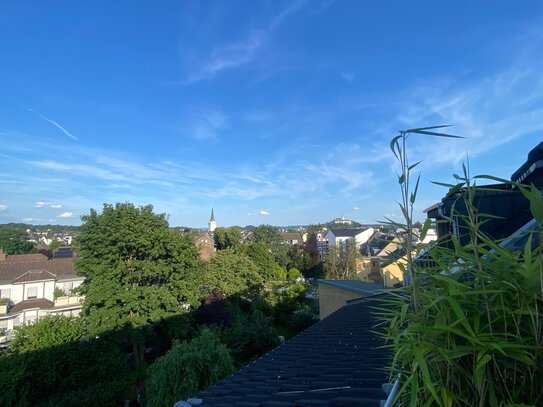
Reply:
x=66, y=215
x=207, y=124
x=42, y=204
x=348, y=76
x=242, y=52
x=264, y=213
x=3, y=208
x=54, y=123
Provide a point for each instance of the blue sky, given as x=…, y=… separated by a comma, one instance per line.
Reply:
x=274, y=112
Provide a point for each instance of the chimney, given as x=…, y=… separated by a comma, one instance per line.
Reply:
x=2, y=255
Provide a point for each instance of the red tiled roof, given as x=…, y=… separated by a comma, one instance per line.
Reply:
x=40, y=303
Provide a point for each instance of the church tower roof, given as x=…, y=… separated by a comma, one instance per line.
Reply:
x=212, y=215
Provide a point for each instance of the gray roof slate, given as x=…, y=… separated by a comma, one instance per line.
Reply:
x=336, y=362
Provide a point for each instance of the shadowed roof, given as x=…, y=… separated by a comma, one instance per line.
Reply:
x=40, y=303
x=336, y=362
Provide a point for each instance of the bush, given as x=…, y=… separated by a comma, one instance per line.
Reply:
x=303, y=319
x=294, y=274
x=186, y=369
x=250, y=336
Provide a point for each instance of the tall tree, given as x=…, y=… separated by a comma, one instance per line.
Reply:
x=232, y=272
x=227, y=238
x=340, y=263
x=138, y=270
x=266, y=234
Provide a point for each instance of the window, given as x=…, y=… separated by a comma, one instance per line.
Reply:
x=5, y=293
x=31, y=293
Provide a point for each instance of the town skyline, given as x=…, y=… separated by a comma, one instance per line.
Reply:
x=273, y=113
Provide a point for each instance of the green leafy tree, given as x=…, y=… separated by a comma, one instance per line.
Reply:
x=260, y=255
x=186, y=369
x=137, y=270
x=294, y=274
x=339, y=263
x=13, y=241
x=232, y=272
x=55, y=244
x=227, y=238
x=266, y=234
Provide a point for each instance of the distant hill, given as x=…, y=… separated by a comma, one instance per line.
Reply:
x=35, y=228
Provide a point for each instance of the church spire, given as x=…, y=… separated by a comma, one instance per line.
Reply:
x=212, y=222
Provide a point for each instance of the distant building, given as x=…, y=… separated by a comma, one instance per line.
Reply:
x=334, y=294
x=342, y=220
x=340, y=237
x=206, y=245
x=292, y=238
x=32, y=286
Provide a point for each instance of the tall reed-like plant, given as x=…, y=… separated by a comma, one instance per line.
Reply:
x=468, y=331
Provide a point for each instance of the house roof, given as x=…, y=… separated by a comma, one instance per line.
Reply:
x=34, y=275
x=60, y=268
x=25, y=257
x=336, y=362
x=356, y=286
x=288, y=236
x=40, y=303
x=347, y=232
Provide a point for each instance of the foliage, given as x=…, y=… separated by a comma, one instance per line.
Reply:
x=261, y=257
x=279, y=272
x=187, y=368
x=13, y=241
x=251, y=335
x=339, y=263
x=53, y=363
x=267, y=235
x=468, y=330
x=138, y=271
x=232, y=273
x=227, y=238
x=294, y=274
x=303, y=319
x=58, y=292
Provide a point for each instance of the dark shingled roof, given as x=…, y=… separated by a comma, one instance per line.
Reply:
x=40, y=303
x=333, y=363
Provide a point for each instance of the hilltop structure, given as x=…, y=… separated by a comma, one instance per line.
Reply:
x=212, y=222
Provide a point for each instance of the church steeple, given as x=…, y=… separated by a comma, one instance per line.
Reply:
x=212, y=222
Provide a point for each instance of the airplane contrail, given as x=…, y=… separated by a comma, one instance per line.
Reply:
x=54, y=123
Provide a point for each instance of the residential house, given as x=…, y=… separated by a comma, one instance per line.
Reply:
x=292, y=238
x=27, y=289
x=340, y=237
x=206, y=245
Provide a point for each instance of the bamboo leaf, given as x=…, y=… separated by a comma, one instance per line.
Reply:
x=414, y=193
x=413, y=165
x=441, y=126
x=432, y=133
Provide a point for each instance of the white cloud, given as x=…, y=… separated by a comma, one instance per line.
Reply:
x=264, y=213
x=3, y=208
x=356, y=208
x=42, y=204
x=28, y=219
x=66, y=215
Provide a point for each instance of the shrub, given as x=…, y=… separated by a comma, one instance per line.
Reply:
x=187, y=368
